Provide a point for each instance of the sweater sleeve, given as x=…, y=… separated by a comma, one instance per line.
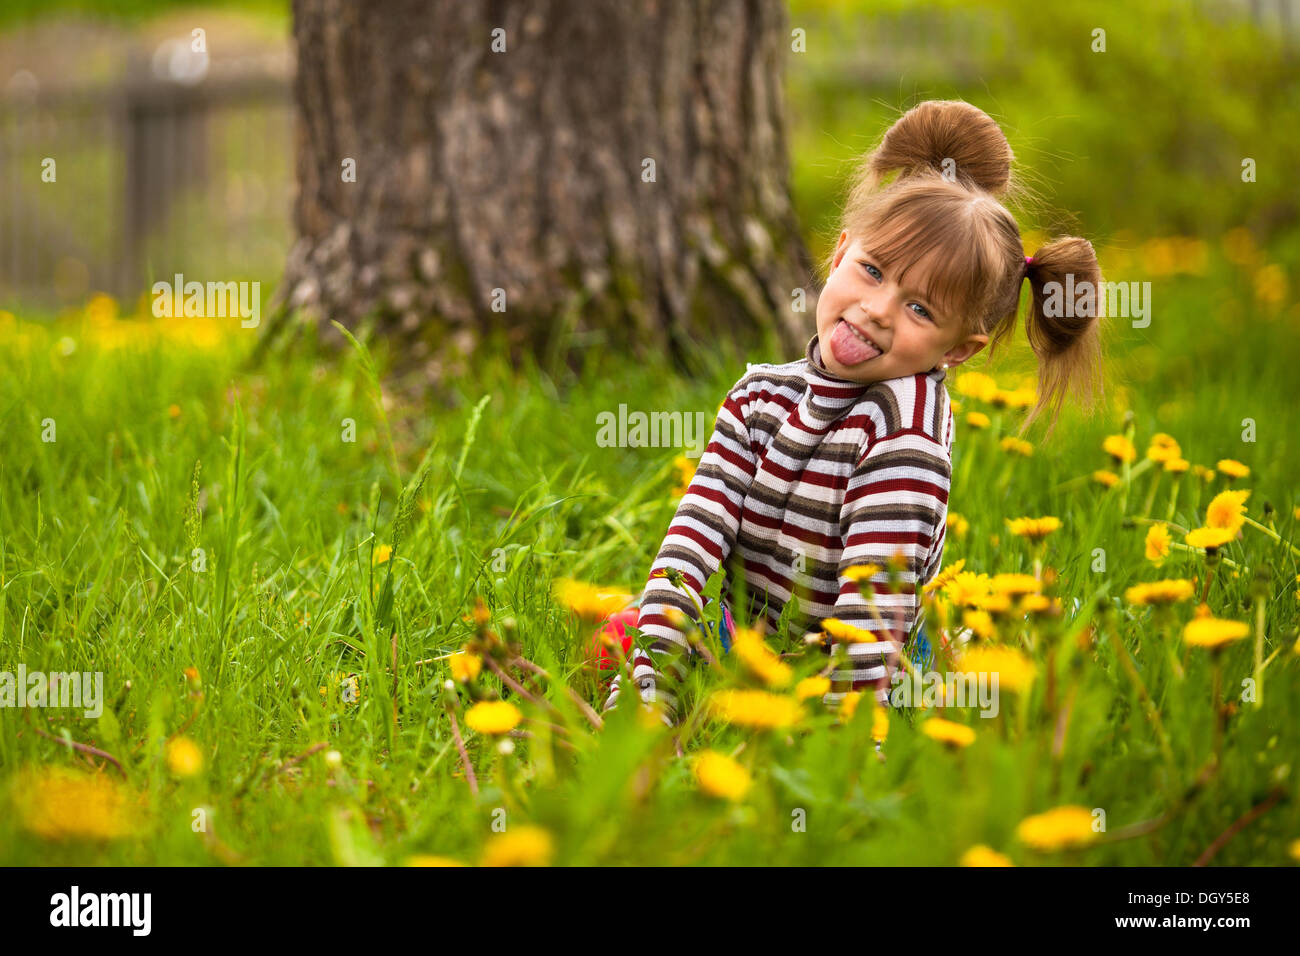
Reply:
x=896, y=502
x=699, y=540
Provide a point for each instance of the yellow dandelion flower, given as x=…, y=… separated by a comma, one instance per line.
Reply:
x=849, y=706
x=1104, y=477
x=1163, y=447
x=812, y=687
x=720, y=776
x=1160, y=592
x=1213, y=633
x=174, y=410
x=1119, y=448
x=1227, y=510
x=685, y=472
x=1294, y=849
x=940, y=580
x=879, y=722
x=1157, y=543
x=1271, y=284
x=759, y=659
x=382, y=553
x=967, y=588
x=1239, y=246
x=976, y=385
x=58, y=803
x=1232, y=468
x=1016, y=446
x=861, y=573
x=1057, y=829
x=755, y=708
x=977, y=420
x=1015, y=671
x=1209, y=537
x=959, y=525
x=493, y=717
x=984, y=856
x=1035, y=529
x=465, y=666
x=424, y=859
x=993, y=603
x=184, y=758
x=981, y=623
x=589, y=602
x=1205, y=474
x=947, y=732
x=847, y=633
x=1039, y=604
x=1015, y=584
x=102, y=308
x=1177, y=465
x=524, y=845
x=1017, y=398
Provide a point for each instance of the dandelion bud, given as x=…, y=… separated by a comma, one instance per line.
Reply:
x=674, y=577
x=482, y=616
x=333, y=759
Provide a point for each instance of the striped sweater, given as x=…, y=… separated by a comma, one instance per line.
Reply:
x=806, y=475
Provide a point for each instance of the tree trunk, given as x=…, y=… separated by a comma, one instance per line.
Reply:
x=618, y=172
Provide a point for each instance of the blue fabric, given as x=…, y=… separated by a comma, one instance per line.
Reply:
x=922, y=652
x=726, y=627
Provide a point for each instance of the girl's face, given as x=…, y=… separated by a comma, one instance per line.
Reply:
x=908, y=333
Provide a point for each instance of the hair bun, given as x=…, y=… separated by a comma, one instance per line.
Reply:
x=948, y=137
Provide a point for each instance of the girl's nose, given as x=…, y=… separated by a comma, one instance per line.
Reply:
x=874, y=314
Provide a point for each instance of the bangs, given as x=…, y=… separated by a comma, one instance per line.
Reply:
x=933, y=232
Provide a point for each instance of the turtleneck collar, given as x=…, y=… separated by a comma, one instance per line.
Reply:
x=829, y=396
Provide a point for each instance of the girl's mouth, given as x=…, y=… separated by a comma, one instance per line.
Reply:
x=850, y=346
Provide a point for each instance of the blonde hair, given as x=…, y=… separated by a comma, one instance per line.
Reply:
x=953, y=162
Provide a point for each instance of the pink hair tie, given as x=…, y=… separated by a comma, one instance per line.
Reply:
x=1029, y=260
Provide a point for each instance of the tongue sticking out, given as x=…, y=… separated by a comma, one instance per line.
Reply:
x=847, y=348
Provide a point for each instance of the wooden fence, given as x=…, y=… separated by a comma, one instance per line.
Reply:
x=111, y=188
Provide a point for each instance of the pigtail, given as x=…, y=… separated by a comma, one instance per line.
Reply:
x=1063, y=326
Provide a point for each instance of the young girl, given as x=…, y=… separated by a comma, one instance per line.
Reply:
x=843, y=458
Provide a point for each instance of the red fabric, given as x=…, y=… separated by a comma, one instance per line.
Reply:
x=616, y=627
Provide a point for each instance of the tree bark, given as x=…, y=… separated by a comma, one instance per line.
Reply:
x=619, y=173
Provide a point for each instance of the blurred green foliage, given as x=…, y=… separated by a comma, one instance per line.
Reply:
x=18, y=11
x=1148, y=136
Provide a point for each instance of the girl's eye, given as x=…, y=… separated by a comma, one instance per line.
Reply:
x=922, y=311
x=872, y=270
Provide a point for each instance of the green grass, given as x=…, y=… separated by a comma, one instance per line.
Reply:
x=493, y=487
x=97, y=538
